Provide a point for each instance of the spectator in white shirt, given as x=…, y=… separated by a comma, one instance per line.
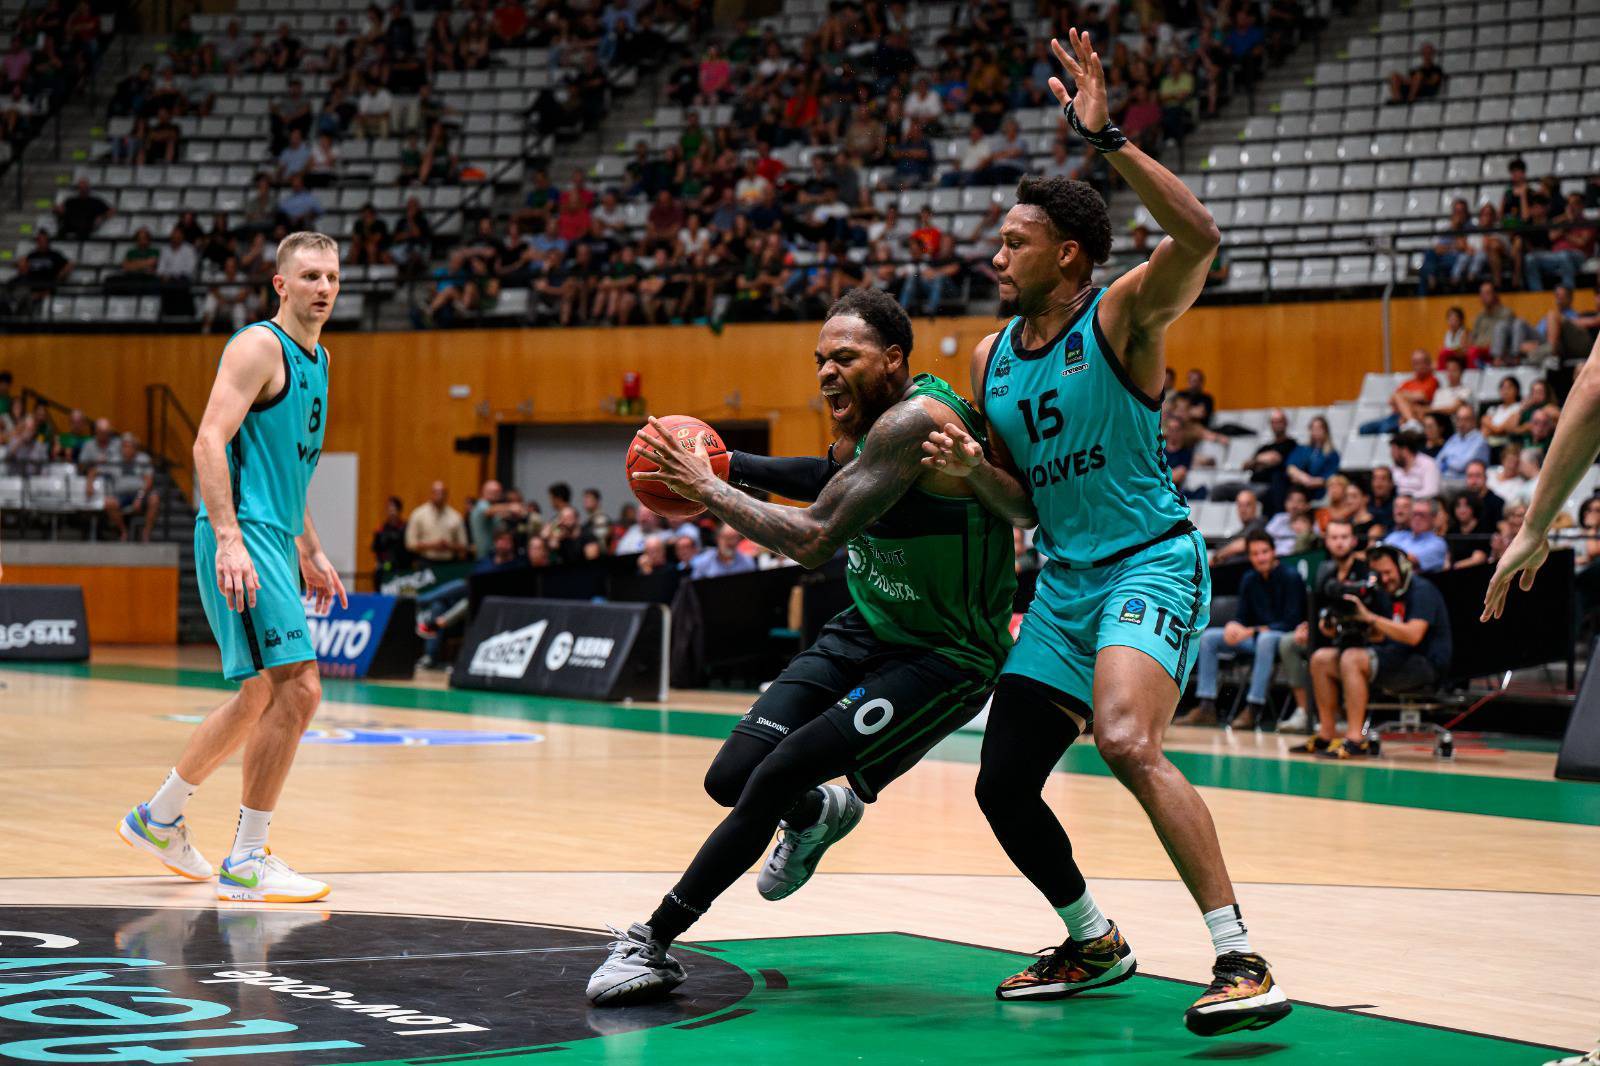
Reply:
x=1452, y=393
x=974, y=157
x=923, y=104
x=373, y=108
x=1416, y=474
x=178, y=260
x=1506, y=480
x=1281, y=526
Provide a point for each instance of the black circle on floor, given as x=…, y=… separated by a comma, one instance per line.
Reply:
x=337, y=987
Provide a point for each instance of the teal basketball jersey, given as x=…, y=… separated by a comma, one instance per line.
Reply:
x=272, y=457
x=1086, y=439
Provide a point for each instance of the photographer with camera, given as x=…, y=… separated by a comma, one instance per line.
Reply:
x=1407, y=650
x=1343, y=570
x=1272, y=598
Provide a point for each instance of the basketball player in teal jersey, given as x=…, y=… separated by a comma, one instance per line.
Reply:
x=1071, y=389
x=255, y=452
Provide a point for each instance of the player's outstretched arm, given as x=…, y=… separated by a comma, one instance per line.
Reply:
x=249, y=364
x=795, y=477
x=1151, y=296
x=857, y=496
x=1572, y=451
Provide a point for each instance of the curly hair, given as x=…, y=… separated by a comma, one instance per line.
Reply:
x=880, y=311
x=1075, y=210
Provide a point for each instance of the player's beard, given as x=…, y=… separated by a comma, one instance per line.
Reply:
x=1010, y=308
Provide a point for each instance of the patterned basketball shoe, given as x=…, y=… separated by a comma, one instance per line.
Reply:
x=265, y=878
x=1242, y=995
x=638, y=969
x=1073, y=968
x=1591, y=1059
x=168, y=843
x=795, y=858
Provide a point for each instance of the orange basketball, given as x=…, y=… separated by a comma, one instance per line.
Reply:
x=694, y=434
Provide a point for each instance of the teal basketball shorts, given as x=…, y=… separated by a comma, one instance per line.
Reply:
x=1156, y=601
x=274, y=631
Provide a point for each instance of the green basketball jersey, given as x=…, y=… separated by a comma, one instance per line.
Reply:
x=272, y=457
x=938, y=571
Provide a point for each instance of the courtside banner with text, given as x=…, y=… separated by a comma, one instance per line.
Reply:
x=373, y=637
x=597, y=651
x=43, y=622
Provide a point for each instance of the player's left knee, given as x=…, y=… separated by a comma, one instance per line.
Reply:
x=300, y=692
x=1126, y=750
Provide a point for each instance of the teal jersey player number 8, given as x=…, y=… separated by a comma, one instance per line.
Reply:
x=272, y=457
x=270, y=462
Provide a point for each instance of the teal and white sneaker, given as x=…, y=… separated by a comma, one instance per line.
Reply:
x=168, y=843
x=795, y=858
x=265, y=878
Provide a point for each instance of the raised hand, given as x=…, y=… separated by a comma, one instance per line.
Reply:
x=952, y=451
x=1089, y=77
x=1525, y=554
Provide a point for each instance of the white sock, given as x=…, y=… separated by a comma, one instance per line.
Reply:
x=252, y=833
x=1227, y=930
x=1084, y=920
x=166, y=806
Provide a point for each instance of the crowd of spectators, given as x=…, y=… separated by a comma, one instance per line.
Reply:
x=53, y=47
x=1534, y=237
x=734, y=232
x=501, y=530
x=118, y=478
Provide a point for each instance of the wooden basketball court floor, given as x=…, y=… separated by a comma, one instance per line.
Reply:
x=1417, y=911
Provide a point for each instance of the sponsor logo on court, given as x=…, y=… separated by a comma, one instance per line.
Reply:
x=37, y=632
x=507, y=654
x=1133, y=612
x=416, y=738
x=299, y=988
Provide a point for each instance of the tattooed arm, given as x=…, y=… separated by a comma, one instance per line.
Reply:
x=855, y=497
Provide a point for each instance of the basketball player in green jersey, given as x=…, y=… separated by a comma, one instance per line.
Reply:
x=931, y=579
x=1072, y=387
x=256, y=449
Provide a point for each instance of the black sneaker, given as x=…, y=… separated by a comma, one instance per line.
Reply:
x=1352, y=749
x=1073, y=968
x=1242, y=995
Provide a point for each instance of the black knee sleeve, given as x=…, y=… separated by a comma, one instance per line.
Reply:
x=730, y=771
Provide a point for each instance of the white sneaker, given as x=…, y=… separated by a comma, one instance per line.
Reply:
x=265, y=878
x=637, y=969
x=169, y=843
x=798, y=851
x=1591, y=1059
x=1297, y=722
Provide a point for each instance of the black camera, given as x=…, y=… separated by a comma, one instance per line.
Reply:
x=1340, y=615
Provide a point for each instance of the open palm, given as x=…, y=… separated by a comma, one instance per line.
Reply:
x=1088, y=77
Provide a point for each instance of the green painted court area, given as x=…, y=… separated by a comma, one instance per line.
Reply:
x=1571, y=802
x=894, y=998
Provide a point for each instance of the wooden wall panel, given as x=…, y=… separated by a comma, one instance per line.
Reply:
x=391, y=400
x=125, y=604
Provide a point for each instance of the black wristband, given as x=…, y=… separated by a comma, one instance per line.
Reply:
x=1108, y=139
